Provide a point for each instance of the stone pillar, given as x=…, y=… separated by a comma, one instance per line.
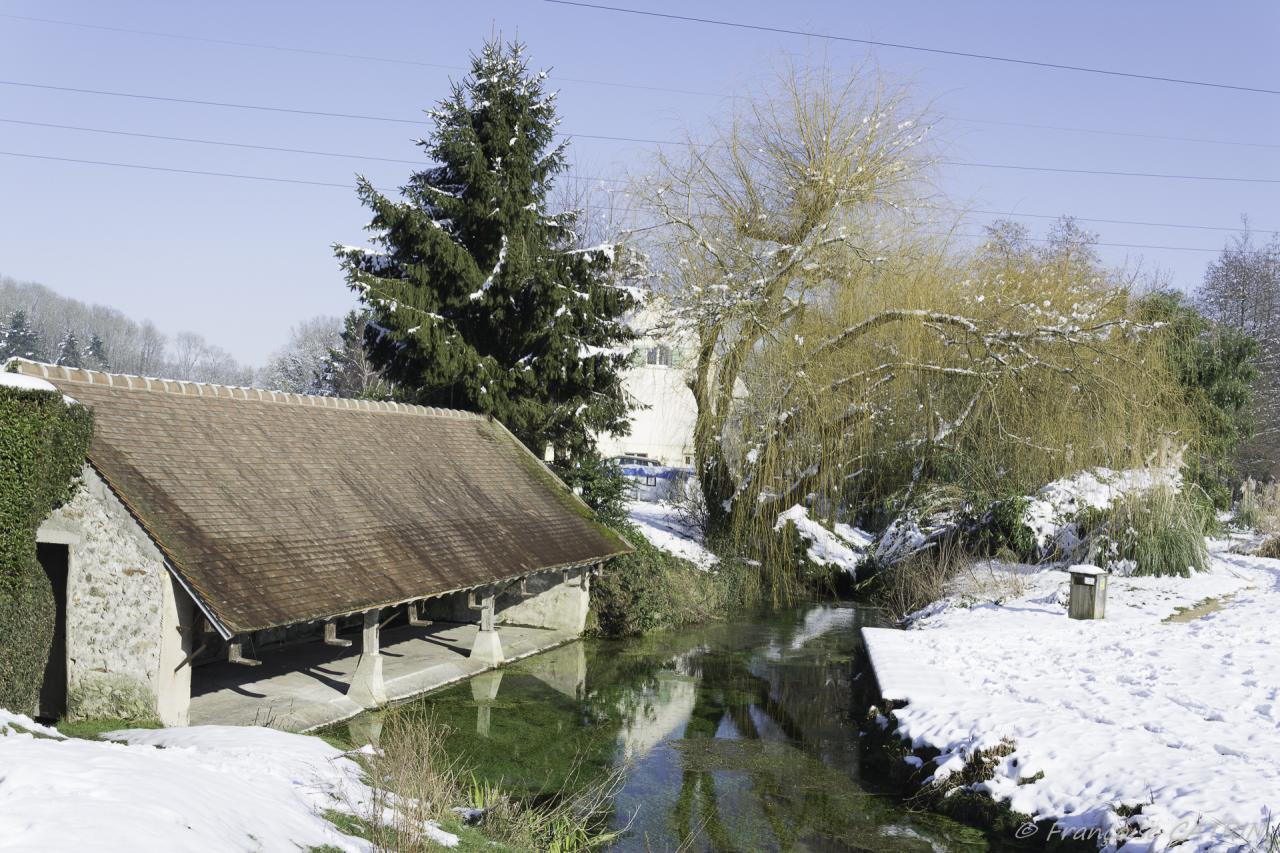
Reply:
x=488, y=647
x=367, y=688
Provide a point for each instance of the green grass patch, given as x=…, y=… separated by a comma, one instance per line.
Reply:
x=91, y=729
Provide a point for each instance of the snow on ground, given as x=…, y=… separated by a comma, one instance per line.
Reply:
x=844, y=547
x=661, y=525
x=1182, y=718
x=201, y=789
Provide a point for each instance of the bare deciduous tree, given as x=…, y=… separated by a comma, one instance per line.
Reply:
x=1241, y=290
x=834, y=338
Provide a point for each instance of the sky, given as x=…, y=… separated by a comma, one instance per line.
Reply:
x=240, y=261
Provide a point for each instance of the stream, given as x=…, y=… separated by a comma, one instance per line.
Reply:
x=735, y=736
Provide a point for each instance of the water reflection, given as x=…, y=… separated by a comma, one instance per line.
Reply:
x=732, y=736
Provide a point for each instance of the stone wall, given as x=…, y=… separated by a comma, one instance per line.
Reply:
x=128, y=623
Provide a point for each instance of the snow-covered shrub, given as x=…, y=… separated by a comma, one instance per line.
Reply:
x=1002, y=531
x=1259, y=507
x=827, y=554
x=651, y=589
x=690, y=505
x=1159, y=531
x=918, y=580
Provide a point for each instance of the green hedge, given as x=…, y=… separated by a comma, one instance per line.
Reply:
x=43, y=442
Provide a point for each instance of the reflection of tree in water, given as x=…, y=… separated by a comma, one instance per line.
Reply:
x=738, y=737
x=728, y=692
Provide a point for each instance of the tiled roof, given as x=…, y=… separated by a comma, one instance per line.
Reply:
x=281, y=508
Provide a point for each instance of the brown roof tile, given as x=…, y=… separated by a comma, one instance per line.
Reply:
x=279, y=508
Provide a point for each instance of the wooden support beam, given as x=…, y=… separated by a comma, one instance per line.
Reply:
x=415, y=615
x=370, y=638
x=235, y=654
x=189, y=658
x=387, y=621
x=331, y=635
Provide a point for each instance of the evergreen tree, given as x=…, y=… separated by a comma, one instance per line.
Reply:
x=69, y=351
x=96, y=355
x=479, y=297
x=20, y=339
x=348, y=372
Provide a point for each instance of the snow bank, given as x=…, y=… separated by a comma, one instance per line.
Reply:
x=13, y=724
x=844, y=547
x=660, y=523
x=1180, y=718
x=200, y=789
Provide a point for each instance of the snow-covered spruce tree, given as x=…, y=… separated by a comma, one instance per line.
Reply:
x=21, y=340
x=96, y=354
x=69, y=351
x=479, y=297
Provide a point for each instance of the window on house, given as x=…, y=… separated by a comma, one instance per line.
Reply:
x=660, y=355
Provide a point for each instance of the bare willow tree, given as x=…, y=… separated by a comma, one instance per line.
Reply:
x=748, y=227
x=838, y=344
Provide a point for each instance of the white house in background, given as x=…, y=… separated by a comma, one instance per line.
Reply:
x=657, y=381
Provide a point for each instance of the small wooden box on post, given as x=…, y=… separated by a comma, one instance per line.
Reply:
x=1088, y=593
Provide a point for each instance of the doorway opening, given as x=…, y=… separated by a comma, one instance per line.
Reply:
x=54, y=559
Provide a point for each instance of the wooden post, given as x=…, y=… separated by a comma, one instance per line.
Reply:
x=367, y=687
x=415, y=615
x=331, y=635
x=235, y=654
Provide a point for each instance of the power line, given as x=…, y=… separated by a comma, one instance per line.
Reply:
x=1057, y=66
x=376, y=158
x=609, y=83
x=1115, y=245
x=1109, y=173
x=1105, y=132
x=600, y=136
x=335, y=54
x=273, y=179
x=224, y=143
x=228, y=105
x=150, y=168
x=371, y=157
x=361, y=117
x=236, y=175
x=1233, y=229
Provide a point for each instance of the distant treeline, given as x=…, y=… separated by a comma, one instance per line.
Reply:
x=324, y=355
x=37, y=323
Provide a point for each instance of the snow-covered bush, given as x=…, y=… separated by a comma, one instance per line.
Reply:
x=918, y=580
x=1259, y=507
x=1158, y=531
x=1003, y=531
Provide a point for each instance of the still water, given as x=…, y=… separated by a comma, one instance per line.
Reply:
x=736, y=736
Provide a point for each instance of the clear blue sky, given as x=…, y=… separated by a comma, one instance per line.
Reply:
x=240, y=261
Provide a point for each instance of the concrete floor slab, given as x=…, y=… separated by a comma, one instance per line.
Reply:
x=304, y=687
